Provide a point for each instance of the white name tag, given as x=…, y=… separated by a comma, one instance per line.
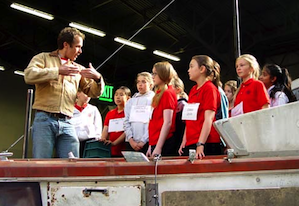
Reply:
x=190, y=111
x=140, y=113
x=237, y=110
x=116, y=125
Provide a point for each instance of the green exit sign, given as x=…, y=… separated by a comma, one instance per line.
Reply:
x=107, y=95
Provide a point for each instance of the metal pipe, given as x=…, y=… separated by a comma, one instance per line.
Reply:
x=157, y=157
x=237, y=39
x=13, y=144
x=237, y=44
x=27, y=122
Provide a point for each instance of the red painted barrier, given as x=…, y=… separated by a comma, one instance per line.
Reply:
x=116, y=167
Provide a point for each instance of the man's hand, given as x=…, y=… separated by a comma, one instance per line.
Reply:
x=68, y=70
x=90, y=73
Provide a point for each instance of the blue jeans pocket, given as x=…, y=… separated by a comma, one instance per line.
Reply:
x=41, y=117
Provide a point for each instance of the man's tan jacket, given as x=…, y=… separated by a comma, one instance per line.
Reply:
x=57, y=93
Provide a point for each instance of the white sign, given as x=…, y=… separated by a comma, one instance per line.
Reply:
x=190, y=111
x=116, y=125
x=140, y=113
x=237, y=110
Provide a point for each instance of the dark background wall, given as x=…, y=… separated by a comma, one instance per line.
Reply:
x=13, y=111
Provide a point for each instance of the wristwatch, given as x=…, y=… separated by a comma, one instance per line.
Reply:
x=199, y=144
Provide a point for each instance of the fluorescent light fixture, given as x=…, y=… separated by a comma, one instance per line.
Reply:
x=87, y=29
x=19, y=72
x=32, y=11
x=168, y=56
x=2, y=68
x=130, y=43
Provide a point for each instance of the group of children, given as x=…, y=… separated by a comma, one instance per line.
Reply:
x=258, y=91
x=168, y=122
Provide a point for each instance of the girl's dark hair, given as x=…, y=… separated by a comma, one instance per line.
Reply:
x=212, y=68
x=126, y=90
x=205, y=61
x=282, y=82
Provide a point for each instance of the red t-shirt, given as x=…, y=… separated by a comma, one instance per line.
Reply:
x=167, y=101
x=253, y=94
x=114, y=114
x=208, y=98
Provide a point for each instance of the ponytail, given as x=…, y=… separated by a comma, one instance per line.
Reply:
x=166, y=72
x=215, y=76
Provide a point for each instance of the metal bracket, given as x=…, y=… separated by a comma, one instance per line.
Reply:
x=151, y=192
x=4, y=155
x=230, y=155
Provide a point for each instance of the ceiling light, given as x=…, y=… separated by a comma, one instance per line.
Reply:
x=168, y=56
x=19, y=72
x=87, y=29
x=130, y=43
x=2, y=68
x=32, y=11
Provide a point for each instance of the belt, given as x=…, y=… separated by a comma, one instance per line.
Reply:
x=55, y=115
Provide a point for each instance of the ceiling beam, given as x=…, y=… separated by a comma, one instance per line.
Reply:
x=146, y=18
x=194, y=34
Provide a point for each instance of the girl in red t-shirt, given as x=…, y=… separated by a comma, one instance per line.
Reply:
x=199, y=113
x=251, y=94
x=162, y=122
x=113, y=131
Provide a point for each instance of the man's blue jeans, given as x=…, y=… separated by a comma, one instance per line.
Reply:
x=49, y=132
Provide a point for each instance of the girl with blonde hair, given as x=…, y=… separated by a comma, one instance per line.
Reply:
x=162, y=123
x=137, y=114
x=252, y=94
